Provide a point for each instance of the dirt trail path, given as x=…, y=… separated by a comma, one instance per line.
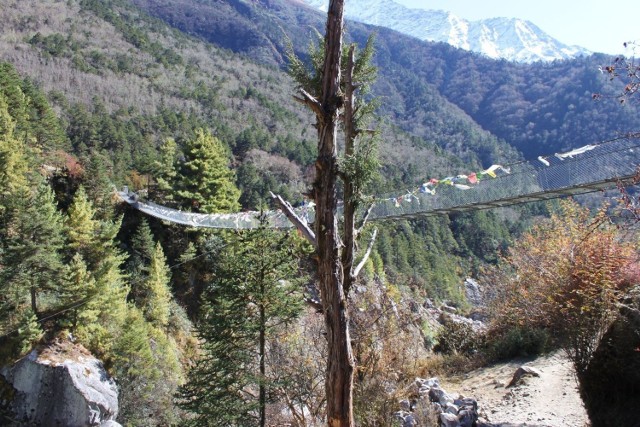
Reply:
x=549, y=400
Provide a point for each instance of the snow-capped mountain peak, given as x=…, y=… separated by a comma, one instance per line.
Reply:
x=507, y=38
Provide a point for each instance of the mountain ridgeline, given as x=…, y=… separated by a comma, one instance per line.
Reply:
x=538, y=108
x=507, y=38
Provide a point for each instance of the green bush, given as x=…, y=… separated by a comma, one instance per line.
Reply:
x=518, y=342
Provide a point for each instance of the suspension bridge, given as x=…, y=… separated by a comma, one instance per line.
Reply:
x=583, y=170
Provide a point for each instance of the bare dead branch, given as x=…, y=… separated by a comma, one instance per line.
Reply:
x=365, y=217
x=366, y=254
x=299, y=223
x=310, y=101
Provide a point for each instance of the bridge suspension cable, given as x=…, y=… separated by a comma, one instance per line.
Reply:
x=583, y=170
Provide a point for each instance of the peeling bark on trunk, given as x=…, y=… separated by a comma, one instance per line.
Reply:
x=340, y=363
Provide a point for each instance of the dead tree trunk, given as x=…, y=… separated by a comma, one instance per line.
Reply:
x=340, y=363
x=335, y=257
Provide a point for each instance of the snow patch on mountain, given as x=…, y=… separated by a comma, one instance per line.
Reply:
x=499, y=38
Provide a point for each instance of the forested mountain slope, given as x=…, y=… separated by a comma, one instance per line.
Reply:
x=124, y=83
x=537, y=108
x=97, y=57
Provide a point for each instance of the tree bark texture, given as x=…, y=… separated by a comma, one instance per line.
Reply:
x=34, y=300
x=340, y=363
x=262, y=399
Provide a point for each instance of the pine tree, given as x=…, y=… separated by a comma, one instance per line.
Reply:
x=165, y=171
x=78, y=287
x=156, y=295
x=44, y=124
x=10, y=87
x=13, y=164
x=146, y=364
x=142, y=249
x=256, y=291
x=31, y=260
x=91, y=237
x=100, y=320
x=35, y=119
x=93, y=240
x=206, y=183
x=82, y=228
x=134, y=364
x=29, y=331
x=10, y=148
x=98, y=183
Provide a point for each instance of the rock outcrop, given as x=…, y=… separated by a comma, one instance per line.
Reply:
x=473, y=292
x=60, y=385
x=521, y=372
x=433, y=403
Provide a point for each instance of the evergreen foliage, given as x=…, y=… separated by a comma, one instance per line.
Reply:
x=35, y=120
x=165, y=171
x=32, y=255
x=433, y=269
x=76, y=290
x=129, y=117
x=141, y=251
x=480, y=235
x=13, y=159
x=92, y=242
x=206, y=183
x=98, y=183
x=256, y=291
x=146, y=363
x=60, y=260
x=82, y=227
x=156, y=293
x=29, y=332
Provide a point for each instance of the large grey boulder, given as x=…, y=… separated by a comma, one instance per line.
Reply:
x=449, y=420
x=62, y=385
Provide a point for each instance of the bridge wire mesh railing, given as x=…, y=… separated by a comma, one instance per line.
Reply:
x=552, y=176
x=590, y=171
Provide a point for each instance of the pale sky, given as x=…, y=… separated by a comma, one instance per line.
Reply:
x=597, y=25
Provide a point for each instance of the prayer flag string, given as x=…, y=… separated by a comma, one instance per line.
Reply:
x=460, y=182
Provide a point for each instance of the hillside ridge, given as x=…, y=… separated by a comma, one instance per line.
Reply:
x=498, y=38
